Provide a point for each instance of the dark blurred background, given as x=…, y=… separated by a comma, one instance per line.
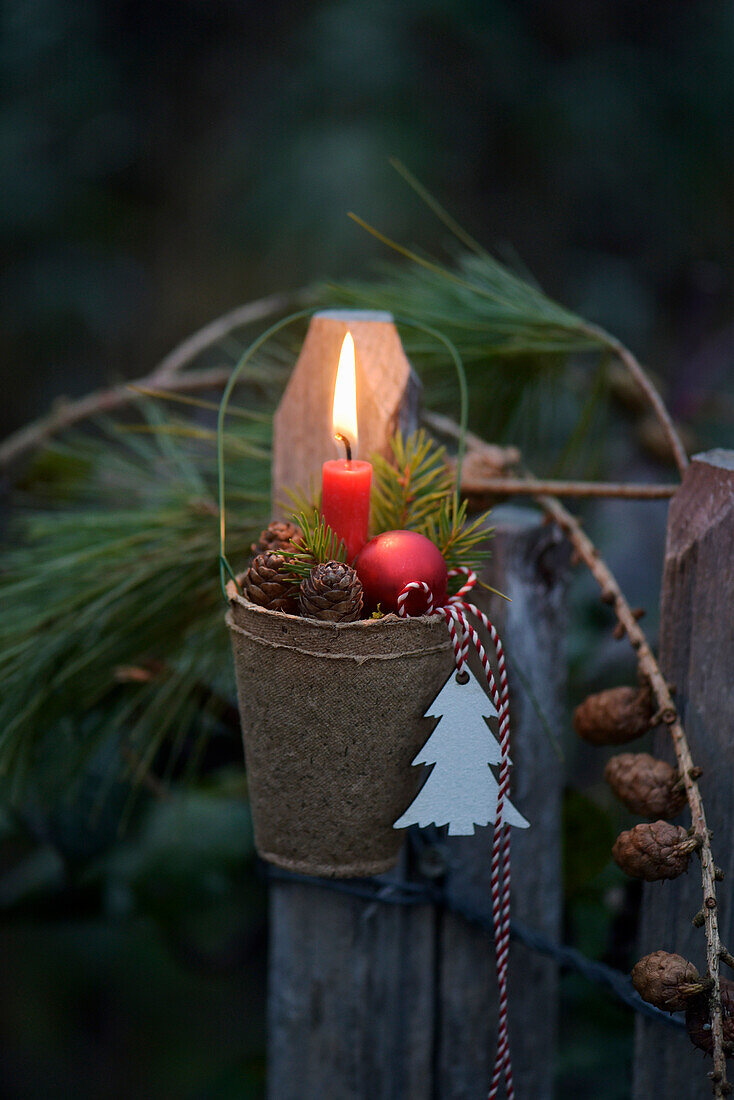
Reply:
x=161, y=163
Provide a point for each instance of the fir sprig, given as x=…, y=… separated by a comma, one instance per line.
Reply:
x=408, y=489
x=458, y=538
x=415, y=492
x=316, y=544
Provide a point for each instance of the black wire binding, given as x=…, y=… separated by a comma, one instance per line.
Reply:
x=392, y=892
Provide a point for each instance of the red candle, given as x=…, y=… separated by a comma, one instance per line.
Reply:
x=345, y=501
x=345, y=484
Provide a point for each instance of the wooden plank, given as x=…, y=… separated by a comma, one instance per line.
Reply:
x=351, y=997
x=697, y=655
x=529, y=562
x=350, y=983
x=368, y=1000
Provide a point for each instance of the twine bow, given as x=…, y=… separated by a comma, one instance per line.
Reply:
x=456, y=612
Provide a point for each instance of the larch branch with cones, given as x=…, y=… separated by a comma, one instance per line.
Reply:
x=664, y=712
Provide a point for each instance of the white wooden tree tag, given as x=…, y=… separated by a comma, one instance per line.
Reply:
x=461, y=789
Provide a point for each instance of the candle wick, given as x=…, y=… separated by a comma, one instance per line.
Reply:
x=347, y=445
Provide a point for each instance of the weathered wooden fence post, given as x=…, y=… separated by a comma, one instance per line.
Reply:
x=370, y=1000
x=697, y=656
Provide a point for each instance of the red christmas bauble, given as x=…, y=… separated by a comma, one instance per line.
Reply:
x=390, y=561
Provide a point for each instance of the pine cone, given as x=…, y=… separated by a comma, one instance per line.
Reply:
x=698, y=1019
x=654, y=850
x=645, y=785
x=332, y=591
x=278, y=535
x=615, y=716
x=269, y=584
x=667, y=981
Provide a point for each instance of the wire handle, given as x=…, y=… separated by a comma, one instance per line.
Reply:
x=463, y=391
x=225, y=569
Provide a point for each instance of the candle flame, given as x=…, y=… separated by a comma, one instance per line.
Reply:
x=344, y=416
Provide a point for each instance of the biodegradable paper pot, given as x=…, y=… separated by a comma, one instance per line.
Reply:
x=332, y=716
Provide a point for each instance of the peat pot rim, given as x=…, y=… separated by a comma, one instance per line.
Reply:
x=390, y=636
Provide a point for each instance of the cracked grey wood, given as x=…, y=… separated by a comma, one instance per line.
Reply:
x=697, y=655
x=369, y=1001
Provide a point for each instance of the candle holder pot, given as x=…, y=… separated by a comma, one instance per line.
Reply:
x=332, y=716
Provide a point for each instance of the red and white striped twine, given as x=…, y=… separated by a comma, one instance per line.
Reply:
x=456, y=613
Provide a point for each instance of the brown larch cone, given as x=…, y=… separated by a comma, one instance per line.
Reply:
x=332, y=591
x=269, y=584
x=278, y=535
x=654, y=850
x=646, y=786
x=698, y=1019
x=667, y=981
x=615, y=716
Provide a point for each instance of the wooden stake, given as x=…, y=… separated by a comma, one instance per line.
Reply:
x=372, y=1001
x=388, y=394
x=697, y=652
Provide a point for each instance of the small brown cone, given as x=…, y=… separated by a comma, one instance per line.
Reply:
x=269, y=584
x=615, y=716
x=332, y=591
x=645, y=785
x=654, y=850
x=278, y=535
x=667, y=981
x=698, y=1019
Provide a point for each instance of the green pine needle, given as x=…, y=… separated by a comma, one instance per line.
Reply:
x=415, y=492
x=514, y=340
x=408, y=489
x=302, y=501
x=459, y=539
x=318, y=543
x=123, y=573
